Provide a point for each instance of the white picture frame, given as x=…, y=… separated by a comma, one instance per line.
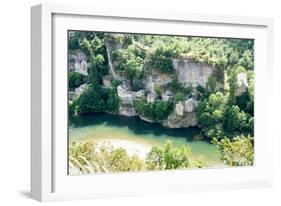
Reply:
x=49, y=179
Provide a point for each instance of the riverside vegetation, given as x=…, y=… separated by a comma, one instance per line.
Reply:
x=137, y=75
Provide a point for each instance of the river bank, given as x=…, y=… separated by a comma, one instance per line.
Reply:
x=132, y=148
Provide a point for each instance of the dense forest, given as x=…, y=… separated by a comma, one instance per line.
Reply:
x=119, y=69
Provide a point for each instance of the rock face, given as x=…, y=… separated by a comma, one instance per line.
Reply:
x=128, y=111
x=176, y=121
x=192, y=73
x=156, y=79
x=146, y=119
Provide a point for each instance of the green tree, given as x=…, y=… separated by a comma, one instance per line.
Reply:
x=234, y=57
x=161, y=51
x=130, y=62
x=133, y=68
x=206, y=119
x=169, y=156
x=74, y=79
x=96, y=52
x=247, y=60
x=234, y=119
x=115, y=82
x=210, y=115
x=73, y=43
x=93, y=74
x=212, y=84
x=156, y=111
x=155, y=158
x=236, y=152
x=119, y=160
x=91, y=100
x=112, y=103
x=163, y=109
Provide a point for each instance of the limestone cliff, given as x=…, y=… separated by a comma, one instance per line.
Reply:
x=191, y=72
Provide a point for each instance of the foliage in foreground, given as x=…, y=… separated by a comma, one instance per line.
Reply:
x=218, y=118
x=168, y=156
x=89, y=157
x=236, y=152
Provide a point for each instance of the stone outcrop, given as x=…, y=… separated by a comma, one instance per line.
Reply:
x=128, y=111
x=190, y=72
x=176, y=121
x=146, y=119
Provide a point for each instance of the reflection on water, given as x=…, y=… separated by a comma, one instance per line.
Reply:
x=106, y=126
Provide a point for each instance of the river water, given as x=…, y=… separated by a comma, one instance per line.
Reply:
x=106, y=126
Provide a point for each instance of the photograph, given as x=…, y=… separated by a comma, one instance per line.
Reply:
x=152, y=102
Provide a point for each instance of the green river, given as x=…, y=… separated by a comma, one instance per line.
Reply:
x=106, y=126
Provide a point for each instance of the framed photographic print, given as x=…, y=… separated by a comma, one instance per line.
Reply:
x=135, y=102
